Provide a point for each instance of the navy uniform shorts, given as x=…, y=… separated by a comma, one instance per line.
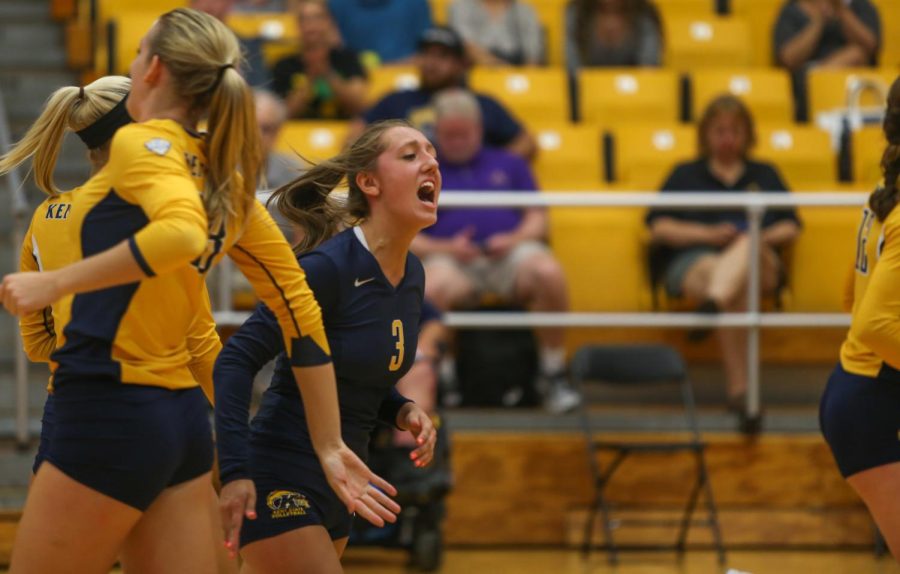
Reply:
x=47, y=426
x=129, y=442
x=860, y=418
x=291, y=492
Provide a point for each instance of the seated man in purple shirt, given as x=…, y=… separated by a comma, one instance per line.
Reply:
x=470, y=253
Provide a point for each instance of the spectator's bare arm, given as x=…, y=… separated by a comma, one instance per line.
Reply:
x=780, y=233
x=856, y=31
x=523, y=145
x=677, y=233
x=350, y=92
x=799, y=49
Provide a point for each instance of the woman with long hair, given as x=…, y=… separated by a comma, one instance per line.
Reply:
x=371, y=290
x=860, y=405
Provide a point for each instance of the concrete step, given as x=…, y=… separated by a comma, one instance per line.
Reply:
x=27, y=44
x=24, y=10
x=25, y=93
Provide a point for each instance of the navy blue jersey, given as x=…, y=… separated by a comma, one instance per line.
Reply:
x=373, y=331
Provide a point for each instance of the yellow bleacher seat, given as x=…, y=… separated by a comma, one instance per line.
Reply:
x=569, y=157
x=594, y=245
x=828, y=88
x=821, y=258
x=313, y=140
x=867, y=147
x=386, y=79
x=804, y=155
x=107, y=9
x=644, y=155
x=707, y=42
x=128, y=28
x=532, y=94
x=760, y=16
x=440, y=10
x=767, y=92
x=279, y=30
x=669, y=9
x=624, y=95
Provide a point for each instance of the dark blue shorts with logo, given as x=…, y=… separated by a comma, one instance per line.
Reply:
x=291, y=492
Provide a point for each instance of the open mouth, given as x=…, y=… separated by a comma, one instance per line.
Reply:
x=426, y=192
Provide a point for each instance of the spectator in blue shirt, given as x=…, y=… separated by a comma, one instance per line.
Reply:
x=442, y=65
x=383, y=31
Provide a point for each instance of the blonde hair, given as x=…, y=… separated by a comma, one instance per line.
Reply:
x=307, y=201
x=204, y=59
x=68, y=108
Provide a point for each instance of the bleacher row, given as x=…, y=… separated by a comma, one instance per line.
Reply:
x=697, y=32
x=632, y=126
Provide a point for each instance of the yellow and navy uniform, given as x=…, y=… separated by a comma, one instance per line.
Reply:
x=149, y=194
x=860, y=408
x=45, y=248
x=874, y=336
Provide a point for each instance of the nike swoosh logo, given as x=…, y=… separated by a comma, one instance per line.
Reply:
x=359, y=283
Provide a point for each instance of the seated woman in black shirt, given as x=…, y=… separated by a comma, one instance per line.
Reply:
x=323, y=81
x=704, y=254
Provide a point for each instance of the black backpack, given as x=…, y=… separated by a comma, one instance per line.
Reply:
x=497, y=367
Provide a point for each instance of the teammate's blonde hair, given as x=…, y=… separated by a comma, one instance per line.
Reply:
x=204, y=59
x=66, y=109
x=307, y=202
x=885, y=198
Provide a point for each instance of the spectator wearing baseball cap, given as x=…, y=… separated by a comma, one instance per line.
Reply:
x=442, y=65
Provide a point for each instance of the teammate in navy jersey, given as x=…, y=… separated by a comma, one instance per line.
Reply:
x=370, y=289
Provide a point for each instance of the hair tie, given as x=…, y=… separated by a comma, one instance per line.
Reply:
x=81, y=93
x=219, y=76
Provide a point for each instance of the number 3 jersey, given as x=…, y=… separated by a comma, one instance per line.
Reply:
x=372, y=329
x=874, y=336
x=147, y=332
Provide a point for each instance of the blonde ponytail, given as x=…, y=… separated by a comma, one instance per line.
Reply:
x=44, y=139
x=204, y=58
x=68, y=108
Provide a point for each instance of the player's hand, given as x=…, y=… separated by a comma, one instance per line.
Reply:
x=361, y=490
x=414, y=419
x=721, y=234
x=462, y=248
x=24, y=293
x=236, y=502
x=499, y=245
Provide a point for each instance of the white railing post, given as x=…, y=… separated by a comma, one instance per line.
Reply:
x=754, y=228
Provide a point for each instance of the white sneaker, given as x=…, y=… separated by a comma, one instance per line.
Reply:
x=559, y=396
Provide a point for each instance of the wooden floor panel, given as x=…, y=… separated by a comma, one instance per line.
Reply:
x=562, y=562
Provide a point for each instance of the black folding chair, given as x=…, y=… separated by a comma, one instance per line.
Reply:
x=641, y=365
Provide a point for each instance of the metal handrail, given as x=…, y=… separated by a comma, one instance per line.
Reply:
x=754, y=203
x=20, y=213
